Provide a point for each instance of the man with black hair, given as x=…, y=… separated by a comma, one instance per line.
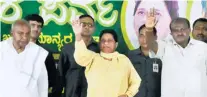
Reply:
x=72, y=75
x=184, y=59
x=200, y=29
x=36, y=22
x=148, y=68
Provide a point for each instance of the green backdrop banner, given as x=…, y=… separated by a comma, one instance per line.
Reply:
x=123, y=16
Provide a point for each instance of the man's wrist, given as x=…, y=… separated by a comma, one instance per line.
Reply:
x=149, y=29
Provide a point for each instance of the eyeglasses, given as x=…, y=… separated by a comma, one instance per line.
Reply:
x=84, y=24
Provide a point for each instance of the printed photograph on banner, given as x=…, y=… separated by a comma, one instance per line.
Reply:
x=134, y=12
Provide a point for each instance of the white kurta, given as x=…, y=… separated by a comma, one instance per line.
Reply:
x=23, y=74
x=184, y=72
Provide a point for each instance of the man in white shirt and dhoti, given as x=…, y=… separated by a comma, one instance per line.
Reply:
x=22, y=65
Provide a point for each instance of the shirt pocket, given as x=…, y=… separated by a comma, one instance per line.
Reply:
x=199, y=62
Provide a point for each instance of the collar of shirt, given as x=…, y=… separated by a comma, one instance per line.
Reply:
x=92, y=42
x=10, y=42
x=109, y=56
x=191, y=42
x=139, y=52
x=37, y=42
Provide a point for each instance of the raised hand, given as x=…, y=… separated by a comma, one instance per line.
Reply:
x=77, y=27
x=151, y=19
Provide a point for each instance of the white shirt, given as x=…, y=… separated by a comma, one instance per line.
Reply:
x=23, y=74
x=184, y=72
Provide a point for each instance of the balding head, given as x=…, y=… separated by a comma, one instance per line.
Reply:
x=19, y=23
x=20, y=31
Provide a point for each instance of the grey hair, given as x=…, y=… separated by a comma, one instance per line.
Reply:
x=20, y=22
